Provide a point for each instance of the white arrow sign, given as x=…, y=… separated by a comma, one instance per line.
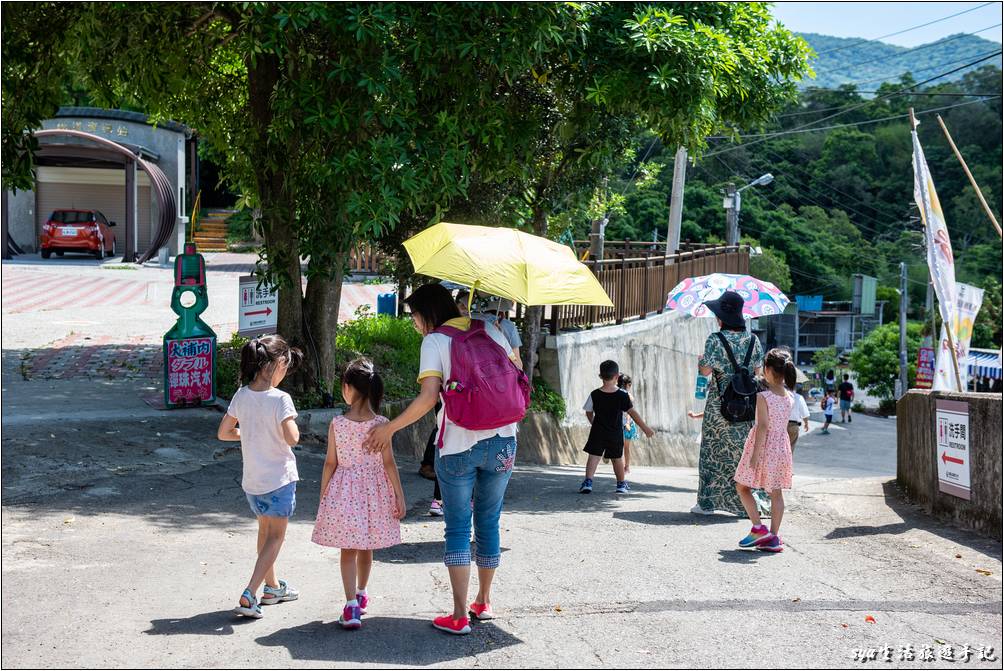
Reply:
x=258, y=308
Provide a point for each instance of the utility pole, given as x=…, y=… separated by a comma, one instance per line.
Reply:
x=902, y=329
x=676, y=201
x=731, y=214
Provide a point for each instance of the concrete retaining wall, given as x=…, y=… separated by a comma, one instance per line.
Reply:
x=916, y=459
x=660, y=354
x=541, y=439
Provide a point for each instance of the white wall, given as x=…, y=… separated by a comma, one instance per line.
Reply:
x=660, y=354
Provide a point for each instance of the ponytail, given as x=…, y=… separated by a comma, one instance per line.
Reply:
x=361, y=375
x=779, y=360
x=259, y=353
x=790, y=374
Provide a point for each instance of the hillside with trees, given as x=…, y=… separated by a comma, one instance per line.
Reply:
x=842, y=197
x=869, y=63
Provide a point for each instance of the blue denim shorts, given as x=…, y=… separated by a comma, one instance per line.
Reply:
x=278, y=503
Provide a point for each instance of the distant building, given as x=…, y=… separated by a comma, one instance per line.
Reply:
x=810, y=324
x=84, y=172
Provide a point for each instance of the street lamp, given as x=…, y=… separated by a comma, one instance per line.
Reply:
x=732, y=203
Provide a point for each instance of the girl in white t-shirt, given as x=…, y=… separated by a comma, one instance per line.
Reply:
x=469, y=463
x=263, y=419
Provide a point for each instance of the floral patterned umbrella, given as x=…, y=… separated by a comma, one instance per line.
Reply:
x=761, y=298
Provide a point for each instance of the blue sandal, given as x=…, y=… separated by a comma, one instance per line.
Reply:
x=253, y=611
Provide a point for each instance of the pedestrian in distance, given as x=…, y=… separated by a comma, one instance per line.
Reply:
x=799, y=418
x=726, y=353
x=630, y=428
x=605, y=408
x=766, y=459
x=826, y=405
x=263, y=419
x=361, y=494
x=846, y=392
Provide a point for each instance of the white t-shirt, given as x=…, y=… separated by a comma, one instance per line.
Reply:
x=435, y=362
x=268, y=461
x=799, y=410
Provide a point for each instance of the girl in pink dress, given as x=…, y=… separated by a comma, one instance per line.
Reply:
x=361, y=496
x=766, y=460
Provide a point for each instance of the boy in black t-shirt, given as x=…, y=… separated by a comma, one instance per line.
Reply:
x=604, y=410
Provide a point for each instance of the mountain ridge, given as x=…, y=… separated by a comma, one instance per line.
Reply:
x=869, y=63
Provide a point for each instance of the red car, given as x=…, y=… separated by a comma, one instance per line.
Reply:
x=86, y=231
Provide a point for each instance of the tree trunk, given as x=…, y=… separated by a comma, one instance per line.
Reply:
x=278, y=216
x=531, y=324
x=320, y=307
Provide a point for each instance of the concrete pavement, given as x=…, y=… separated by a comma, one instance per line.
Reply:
x=125, y=543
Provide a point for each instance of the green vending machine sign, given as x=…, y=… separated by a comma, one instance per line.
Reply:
x=190, y=346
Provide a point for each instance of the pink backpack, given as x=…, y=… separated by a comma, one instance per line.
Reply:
x=485, y=390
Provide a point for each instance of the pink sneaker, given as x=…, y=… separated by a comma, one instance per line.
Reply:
x=350, y=618
x=481, y=611
x=363, y=601
x=449, y=625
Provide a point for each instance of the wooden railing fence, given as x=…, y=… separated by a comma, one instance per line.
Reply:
x=638, y=285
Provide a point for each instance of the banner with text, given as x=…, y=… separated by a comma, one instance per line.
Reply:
x=940, y=260
x=967, y=304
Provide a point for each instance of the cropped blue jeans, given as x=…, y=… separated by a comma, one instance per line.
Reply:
x=481, y=472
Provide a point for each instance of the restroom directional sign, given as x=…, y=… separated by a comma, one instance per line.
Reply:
x=258, y=308
x=951, y=433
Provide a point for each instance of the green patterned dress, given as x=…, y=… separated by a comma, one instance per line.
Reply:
x=722, y=440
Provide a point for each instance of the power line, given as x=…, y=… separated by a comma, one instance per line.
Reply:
x=905, y=30
x=911, y=51
x=837, y=107
x=949, y=94
x=855, y=123
x=759, y=194
x=836, y=114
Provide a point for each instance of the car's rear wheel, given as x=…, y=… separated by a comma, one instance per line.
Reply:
x=113, y=248
x=100, y=254
x=46, y=253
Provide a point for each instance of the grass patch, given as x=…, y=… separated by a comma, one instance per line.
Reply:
x=545, y=399
x=392, y=343
x=119, y=266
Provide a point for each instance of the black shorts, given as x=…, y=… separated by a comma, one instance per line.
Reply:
x=608, y=451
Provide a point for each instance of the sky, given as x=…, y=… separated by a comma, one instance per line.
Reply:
x=873, y=19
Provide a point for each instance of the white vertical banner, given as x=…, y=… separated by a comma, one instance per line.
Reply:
x=968, y=301
x=939, y=248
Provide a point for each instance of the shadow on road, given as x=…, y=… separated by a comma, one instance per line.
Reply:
x=387, y=640
x=672, y=518
x=425, y=552
x=218, y=623
x=743, y=556
x=914, y=517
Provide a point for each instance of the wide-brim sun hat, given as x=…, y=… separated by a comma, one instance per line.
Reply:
x=729, y=308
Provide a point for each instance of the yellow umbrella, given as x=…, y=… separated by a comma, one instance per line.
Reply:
x=505, y=262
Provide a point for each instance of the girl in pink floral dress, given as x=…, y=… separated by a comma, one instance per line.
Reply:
x=766, y=460
x=361, y=496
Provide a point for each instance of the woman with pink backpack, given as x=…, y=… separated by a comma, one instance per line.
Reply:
x=470, y=364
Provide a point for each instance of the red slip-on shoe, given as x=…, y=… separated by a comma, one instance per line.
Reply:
x=450, y=626
x=481, y=611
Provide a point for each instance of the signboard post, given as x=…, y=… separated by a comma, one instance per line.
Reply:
x=258, y=308
x=951, y=434
x=190, y=346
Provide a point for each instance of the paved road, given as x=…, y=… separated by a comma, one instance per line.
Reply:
x=126, y=541
x=55, y=297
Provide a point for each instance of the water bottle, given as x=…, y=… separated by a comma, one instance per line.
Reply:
x=701, y=391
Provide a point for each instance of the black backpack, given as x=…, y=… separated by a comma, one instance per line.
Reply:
x=739, y=395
